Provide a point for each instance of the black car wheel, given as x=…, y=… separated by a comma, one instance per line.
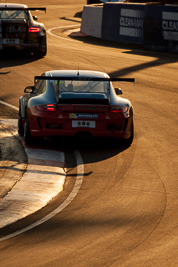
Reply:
x=42, y=51
x=125, y=142
x=129, y=141
x=27, y=135
x=20, y=124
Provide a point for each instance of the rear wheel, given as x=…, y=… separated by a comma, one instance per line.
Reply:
x=126, y=142
x=42, y=51
x=27, y=135
x=20, y=124
x=129, y=141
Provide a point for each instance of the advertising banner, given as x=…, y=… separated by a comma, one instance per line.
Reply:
x=123, y=23
x=161, y=28
x=153, y=26
x=170, y=27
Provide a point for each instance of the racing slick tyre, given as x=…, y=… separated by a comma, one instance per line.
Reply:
x=42, y=52
x=126, y=142
x=129, y=141
x=27, y=135
x=20, y=124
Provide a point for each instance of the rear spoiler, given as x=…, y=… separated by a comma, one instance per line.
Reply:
x=24, y=8
x=78, y=78
x=37, y=8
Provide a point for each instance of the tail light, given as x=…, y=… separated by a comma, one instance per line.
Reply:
x=34, y=29
x=125, y=110
x=48, y=107
x=119, y=109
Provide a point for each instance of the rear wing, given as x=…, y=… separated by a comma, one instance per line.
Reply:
x=78, y=78
x=37, y=8
x=24, y=8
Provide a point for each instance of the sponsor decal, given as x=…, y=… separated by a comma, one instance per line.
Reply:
x=82, y=116
x=60, y=117
x=15, y=28
x=131, y=23
x=170, y=26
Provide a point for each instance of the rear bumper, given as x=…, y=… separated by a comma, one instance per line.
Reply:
x=41, y=126
x=21, y=46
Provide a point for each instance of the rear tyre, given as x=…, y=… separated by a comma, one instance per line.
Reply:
x=43, y=48
x=20, y=124
x=42, y=52
x=129, y=141
x=27, y=135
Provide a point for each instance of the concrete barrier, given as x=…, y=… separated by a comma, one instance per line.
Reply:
x=161, y=28
x=154, y=26
x=92, y=20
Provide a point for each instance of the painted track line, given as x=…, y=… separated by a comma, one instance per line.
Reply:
x=62, y=27
x=9, y=105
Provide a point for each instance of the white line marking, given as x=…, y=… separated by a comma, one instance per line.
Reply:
x=44, y=154
x=61, y=27
x=132, y=13
x=170, y=15
x=9, y=105
x=72, y=195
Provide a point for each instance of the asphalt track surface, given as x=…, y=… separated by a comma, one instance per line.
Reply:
x=125, y=213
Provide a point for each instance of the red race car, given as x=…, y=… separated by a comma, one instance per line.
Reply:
x=74, y=102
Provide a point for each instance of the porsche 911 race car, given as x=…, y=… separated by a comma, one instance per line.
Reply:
x=19, y=29
x=75, y=102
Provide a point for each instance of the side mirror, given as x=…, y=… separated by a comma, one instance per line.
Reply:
x=30, y=90
x=35, y=18
x=118, y=91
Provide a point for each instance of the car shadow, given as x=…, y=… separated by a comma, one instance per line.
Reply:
x=100, y=147
x=10, y=58
x=160, y=57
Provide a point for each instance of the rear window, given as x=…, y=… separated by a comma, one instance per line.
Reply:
x=13, y=14
x=60, y=86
